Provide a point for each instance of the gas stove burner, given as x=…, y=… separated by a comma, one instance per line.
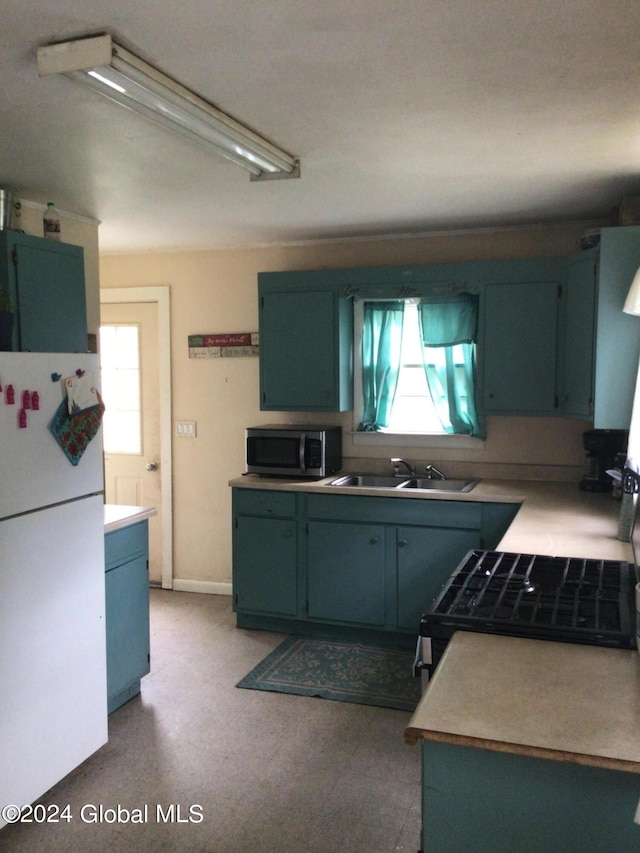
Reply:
x=510, y=581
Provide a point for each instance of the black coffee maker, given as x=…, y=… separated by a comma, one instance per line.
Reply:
x=602, y=446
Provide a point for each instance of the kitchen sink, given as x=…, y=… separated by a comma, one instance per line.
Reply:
x=370, y=481
x=432, y=485
x=376, y=481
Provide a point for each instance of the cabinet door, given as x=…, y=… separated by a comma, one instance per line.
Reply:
x=519, y=347
x=346, y=573
x=304, y=361
x=52, y=315
x=426, y=558
x=264, y=565
x=579, y=300
x=127, y=624
x=496, y=520
x=617, y=334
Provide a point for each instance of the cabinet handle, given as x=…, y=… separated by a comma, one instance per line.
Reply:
x=402, y=543
x=374, y=540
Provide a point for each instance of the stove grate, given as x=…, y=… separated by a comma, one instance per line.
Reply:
x=575, y=599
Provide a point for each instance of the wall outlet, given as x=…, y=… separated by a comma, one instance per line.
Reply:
x=185, y=429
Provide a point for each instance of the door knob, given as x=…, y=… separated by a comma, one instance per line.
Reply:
x=151, y=466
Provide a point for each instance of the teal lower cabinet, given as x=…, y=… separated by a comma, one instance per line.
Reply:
x=485, y=801
x=426, y=557
x=313, y=563
x=127, y=611
x=347, y=573
x=264, y=565
x=265, y=553
x=380, y=562
x=496, y=520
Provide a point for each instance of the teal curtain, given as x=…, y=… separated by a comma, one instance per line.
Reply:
x=381, y=352
x=449, y=329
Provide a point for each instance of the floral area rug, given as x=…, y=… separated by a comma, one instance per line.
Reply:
x=341, y=671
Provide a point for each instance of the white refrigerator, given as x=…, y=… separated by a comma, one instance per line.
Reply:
x=53, y=696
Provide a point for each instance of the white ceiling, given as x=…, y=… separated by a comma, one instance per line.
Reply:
x=408, y=116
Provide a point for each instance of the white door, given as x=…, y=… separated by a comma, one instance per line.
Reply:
x=131, y=392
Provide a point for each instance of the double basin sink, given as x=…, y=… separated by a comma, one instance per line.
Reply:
x=374, y=481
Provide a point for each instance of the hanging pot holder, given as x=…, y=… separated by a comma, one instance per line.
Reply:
x=74, y=432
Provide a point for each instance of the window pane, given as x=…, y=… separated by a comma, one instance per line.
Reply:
x=121, y=432
x=413, y=409
x=120, y=362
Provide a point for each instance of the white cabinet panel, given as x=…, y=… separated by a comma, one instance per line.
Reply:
x=53, y=701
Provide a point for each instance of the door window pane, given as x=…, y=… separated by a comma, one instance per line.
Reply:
x=120, y=371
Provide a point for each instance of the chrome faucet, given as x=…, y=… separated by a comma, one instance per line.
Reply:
x=431, y=470
x=397, y=462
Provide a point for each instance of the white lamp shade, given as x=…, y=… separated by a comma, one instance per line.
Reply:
x=632, y=302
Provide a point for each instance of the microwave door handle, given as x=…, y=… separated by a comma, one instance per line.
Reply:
x=303, y=439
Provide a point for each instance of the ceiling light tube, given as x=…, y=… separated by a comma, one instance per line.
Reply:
x=126, y=79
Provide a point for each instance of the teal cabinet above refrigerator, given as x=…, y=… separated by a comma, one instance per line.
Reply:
x=44, y=281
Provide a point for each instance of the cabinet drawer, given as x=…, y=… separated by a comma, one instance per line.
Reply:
x=259, y=502
x=428, y=512
x=120, y=546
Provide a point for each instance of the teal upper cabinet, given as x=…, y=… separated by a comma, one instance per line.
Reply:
x=617, y=339
x=601, y=344
x=578, y=323
x=306, y=350
x=520, y=347
x=45, y=281
x=553, y=339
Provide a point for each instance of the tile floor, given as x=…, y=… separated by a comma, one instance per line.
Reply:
x=271, y=773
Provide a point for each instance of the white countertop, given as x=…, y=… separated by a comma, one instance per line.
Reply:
x=117, y=517
x=561, y=701
x=555, y=519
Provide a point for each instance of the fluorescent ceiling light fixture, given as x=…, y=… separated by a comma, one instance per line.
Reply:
x=126, y=79
x=632, y=302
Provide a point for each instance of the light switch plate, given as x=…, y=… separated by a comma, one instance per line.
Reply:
x=185, y=429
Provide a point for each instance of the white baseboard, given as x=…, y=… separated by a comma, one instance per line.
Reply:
x=210, y=587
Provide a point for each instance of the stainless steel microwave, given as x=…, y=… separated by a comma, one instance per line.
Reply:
x=294, y=450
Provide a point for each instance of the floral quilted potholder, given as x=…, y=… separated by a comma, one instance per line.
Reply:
x=74, y=432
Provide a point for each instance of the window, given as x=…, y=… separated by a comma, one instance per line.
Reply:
x=418, y=365
x=413, y=409
x=120, y=361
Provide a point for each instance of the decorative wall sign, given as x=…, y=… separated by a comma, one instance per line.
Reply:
x=223, y=345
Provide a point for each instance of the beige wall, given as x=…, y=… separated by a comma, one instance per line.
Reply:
x=216, y=291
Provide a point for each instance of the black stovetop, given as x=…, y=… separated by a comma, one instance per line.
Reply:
x=555, y=598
